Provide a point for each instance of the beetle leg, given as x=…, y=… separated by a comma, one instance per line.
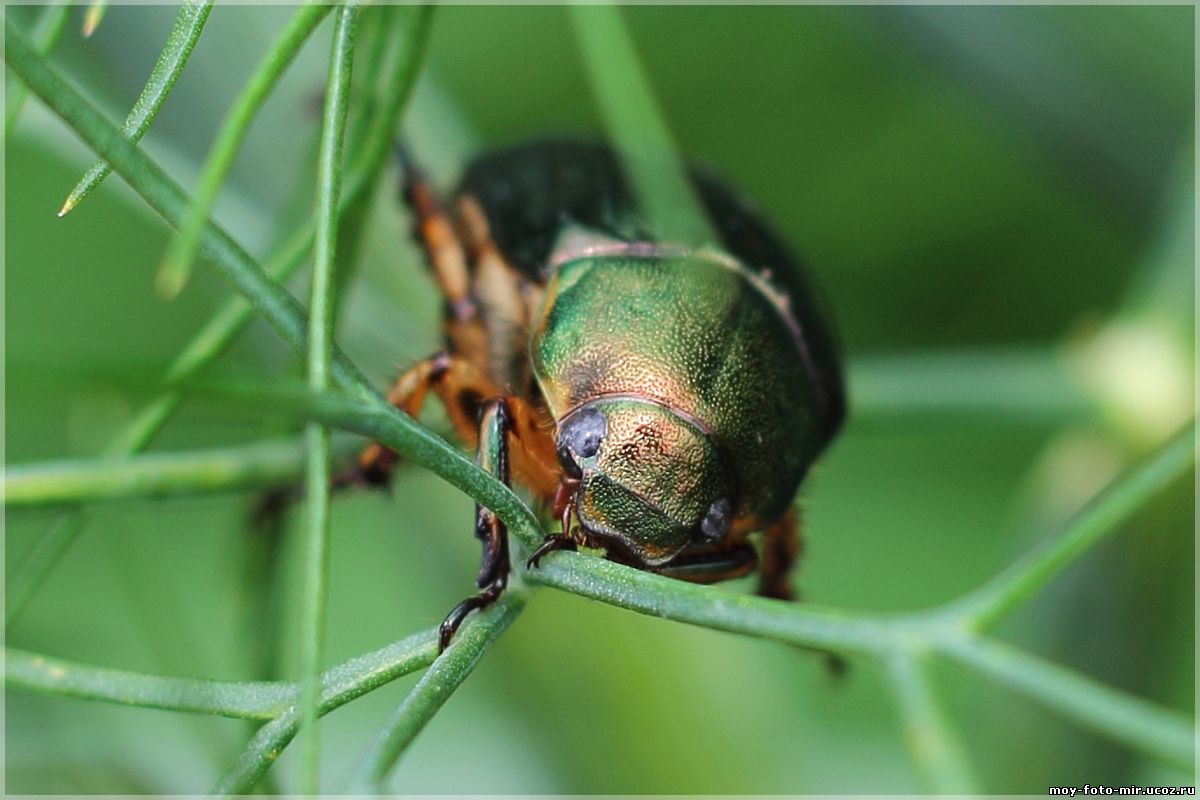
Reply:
x=407, y=394
x=563, y=507
x=435, y=231
x=492, y=455
x=462, y=389
x=447, y=259
x=781, y=547
x=551, y=544
x=711, y=565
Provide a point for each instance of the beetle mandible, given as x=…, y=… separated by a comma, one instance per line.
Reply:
x=663, y=401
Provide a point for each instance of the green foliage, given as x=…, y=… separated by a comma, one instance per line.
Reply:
x=184, y=35
x=49, y=28
x=1045, y=387
x=174, y=271
x=635, y=124
x=320, y=356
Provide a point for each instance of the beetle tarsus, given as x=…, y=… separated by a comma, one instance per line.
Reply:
x=454, y=619
x=558, y=541
x=495, y=426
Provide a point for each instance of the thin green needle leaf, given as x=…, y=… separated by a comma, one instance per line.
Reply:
x=233, y=317
x=238, y=468
x=46, y=34
x=341, y=685
x=1110, y=712
x=329, y=188
x=165, y=196
x=377, y=25
x=1098, y=519
x=259, y=700
x=935, y=749
x=320, y=356
x=33, y=570
x=93, y=16
x=173, y=273
x=433, y=690
x=636, y=125
x=174, y=57
x=412, y=31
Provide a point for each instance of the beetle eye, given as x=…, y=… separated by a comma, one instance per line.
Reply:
x=715, y=524
x=580, y=437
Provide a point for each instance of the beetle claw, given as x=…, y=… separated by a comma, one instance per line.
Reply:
x=557, y=541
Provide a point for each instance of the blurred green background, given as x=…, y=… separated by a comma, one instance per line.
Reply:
x=955, y=177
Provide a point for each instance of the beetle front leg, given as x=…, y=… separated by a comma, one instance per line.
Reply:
x=492, y=455
x=563, y=507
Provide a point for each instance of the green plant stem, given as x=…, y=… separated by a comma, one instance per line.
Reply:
x=341, y=685
x=391, y=428
x=1124, y=717
x=181, y=252
x=635, y=122
x=237, y=312
x=189, y=24
x=320, y=356
x=1107, y=711
x=221, y=469
x=433, y=690
x=934, y=748
x=259, y=605
x=241, y=700
x=1098, y=519
x=1007, y=384
x=409, y=28
x=47, y=31
x=805, y=625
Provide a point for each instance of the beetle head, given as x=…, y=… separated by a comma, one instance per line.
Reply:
x=649, y=477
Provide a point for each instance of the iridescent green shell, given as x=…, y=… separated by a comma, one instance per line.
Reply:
x=732, y=337
x=695, y=334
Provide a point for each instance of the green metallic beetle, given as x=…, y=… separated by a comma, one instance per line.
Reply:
x=664, y=402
